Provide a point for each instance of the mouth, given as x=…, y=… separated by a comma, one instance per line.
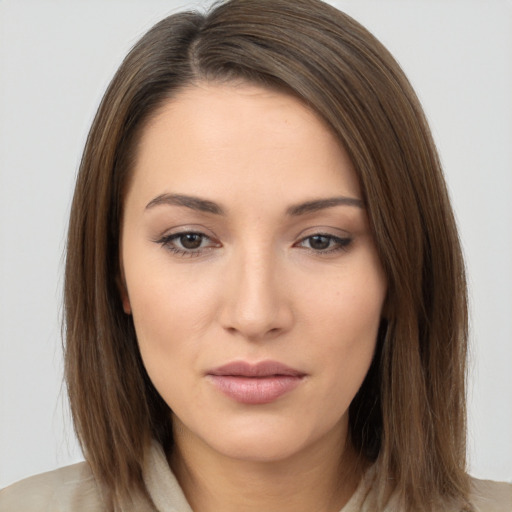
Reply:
x=254, y=384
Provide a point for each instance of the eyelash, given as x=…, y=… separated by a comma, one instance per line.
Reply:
x=340, y=244
x=167, y=241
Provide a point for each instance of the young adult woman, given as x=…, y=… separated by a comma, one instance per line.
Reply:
x=265, y=299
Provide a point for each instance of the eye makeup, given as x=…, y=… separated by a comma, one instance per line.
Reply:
x=189, y=243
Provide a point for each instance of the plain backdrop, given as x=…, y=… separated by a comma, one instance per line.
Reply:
x=56, y=58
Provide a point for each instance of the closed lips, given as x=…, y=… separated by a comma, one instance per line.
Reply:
x=260, y=370
x=255, y=384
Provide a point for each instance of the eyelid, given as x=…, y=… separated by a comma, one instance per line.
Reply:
x=341, y=244
x=342, y=238
x=336, y=242
x=325, y=231
x=200, y=229
x=166, y=239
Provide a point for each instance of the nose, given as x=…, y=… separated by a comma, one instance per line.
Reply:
x=257, y=305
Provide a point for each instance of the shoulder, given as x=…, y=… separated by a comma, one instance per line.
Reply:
x=68, y=488
x=489, y=496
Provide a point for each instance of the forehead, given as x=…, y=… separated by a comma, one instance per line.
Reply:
x=212, y=139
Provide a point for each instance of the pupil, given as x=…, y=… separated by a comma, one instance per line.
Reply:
x=319, y=242
x=191, y=241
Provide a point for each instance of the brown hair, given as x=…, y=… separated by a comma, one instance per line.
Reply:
x=409, y=415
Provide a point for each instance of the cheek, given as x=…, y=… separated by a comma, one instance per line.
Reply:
x=345, y=322
x=166, y=321
x=166, y=300
x=172, y=309
x=348, y=306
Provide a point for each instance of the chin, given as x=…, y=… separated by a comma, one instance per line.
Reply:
x=261, y=435
x=261, y=450
x=262, y=442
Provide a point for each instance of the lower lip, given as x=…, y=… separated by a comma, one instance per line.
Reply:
x=255, y=390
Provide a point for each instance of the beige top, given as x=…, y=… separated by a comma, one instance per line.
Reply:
x=73, y=489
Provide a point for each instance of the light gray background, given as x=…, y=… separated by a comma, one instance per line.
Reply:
x=56, y=58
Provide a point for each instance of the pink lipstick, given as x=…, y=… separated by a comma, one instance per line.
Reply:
x=259, y=383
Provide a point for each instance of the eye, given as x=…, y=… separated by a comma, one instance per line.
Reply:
x=324, y=243
x=190, y=240
x=187, y=243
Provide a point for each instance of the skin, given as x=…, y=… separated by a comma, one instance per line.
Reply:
x=258, y=287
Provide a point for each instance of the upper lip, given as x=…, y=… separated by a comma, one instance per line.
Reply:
x=261, y=369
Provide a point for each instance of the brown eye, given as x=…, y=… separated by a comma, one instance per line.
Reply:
x=188, y=243
x=191, y=240
x=325, y=244
x=319, y=242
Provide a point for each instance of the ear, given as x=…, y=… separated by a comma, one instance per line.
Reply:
x=387, y=308
x=123, y=291
x=127, y=308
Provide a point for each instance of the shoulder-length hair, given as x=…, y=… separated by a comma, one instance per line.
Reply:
x=409, y=415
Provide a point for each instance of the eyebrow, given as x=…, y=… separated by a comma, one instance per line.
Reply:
x=321, y=204
x=194, y=203
x=203, y=205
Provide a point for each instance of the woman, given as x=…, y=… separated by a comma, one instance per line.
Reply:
x=265, y=296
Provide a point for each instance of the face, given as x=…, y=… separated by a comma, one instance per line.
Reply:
x=250, y=271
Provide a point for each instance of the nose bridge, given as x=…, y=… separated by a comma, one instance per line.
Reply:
x=256, y=305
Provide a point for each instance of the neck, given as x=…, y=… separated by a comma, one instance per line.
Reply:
x=322, y=477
